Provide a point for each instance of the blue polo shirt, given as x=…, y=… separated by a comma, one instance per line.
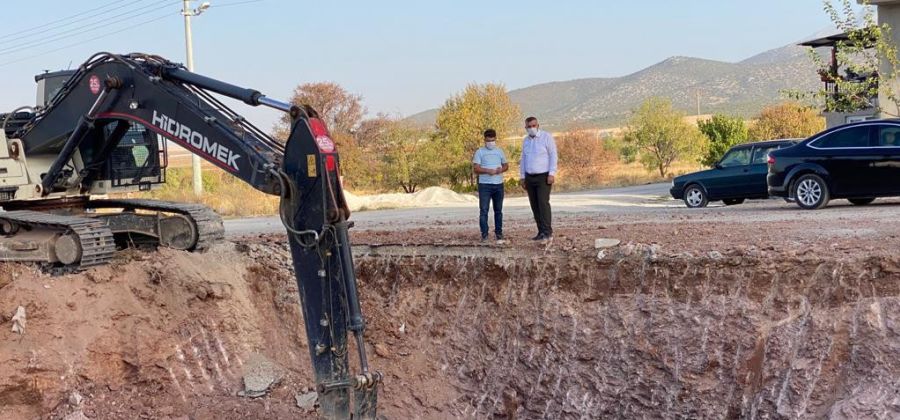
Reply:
x=489, y=159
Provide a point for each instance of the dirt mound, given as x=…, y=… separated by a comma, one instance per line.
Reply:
x=148, y=335
x=463, y=333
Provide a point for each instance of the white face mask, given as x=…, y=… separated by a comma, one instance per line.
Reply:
x=532, y=131
x=490, y=144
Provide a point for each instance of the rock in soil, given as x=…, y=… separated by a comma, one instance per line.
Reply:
x=382, y=350
x=601, y=243
x=76, y=415
x=18, y=321
x=307, y=401
x=260, y=374
x=75, y=398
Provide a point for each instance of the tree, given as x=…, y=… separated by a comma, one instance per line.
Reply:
x=624, y=150
x=341, y=111
x=786, y=120
x=660, y=135
x=361, y=169
x=462, y=119
x=583, y=158
x=412, y=158
x=371, y=131
x=723, y=132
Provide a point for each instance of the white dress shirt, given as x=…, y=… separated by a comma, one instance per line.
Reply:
x=538, y=155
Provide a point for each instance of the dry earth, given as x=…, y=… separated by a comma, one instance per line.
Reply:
x=684, y=319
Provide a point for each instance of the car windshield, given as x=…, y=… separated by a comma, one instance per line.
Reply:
x=736, y=157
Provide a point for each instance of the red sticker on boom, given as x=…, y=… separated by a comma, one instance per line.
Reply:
x=94, y=83
x=325, y=144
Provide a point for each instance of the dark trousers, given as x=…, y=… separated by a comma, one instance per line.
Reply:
x=486, y=194
x=539, y=198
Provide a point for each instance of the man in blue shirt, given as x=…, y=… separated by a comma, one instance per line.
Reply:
x=489, y=164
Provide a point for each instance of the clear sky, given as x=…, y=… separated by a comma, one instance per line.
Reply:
x=401, y=56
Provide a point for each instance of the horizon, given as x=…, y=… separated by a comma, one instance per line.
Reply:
x=402, y=58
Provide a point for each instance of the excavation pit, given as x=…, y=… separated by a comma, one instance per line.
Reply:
x=463, y=331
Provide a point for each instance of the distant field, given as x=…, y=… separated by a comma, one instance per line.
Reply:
x=179, y=157
x=627, y=174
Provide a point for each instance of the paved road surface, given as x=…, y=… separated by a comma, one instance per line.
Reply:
x=645, y=203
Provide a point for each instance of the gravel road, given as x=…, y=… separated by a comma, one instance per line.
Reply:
x=645, y=204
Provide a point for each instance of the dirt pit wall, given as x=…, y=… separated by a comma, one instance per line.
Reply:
x=465, y=333
x=640, y=334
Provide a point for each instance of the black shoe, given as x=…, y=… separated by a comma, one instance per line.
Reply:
x=483, y=238
x=499, y=236
x=538, y=237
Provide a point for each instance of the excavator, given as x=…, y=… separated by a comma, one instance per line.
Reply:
x=100, y=131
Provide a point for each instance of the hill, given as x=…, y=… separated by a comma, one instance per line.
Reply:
x=741, y=88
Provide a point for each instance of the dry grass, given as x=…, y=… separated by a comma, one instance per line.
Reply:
x=618, y=174
x=227, y=195
x=626, y=174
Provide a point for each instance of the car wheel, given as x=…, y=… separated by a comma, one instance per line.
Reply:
x=695, y=197
x=733, y=201
x=811, y=192
x=861, y=201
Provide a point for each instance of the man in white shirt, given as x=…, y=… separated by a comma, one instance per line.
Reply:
x=537, y=172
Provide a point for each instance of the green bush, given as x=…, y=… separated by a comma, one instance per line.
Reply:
x=723, y=133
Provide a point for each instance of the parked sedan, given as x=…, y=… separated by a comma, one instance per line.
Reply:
x=858, y=161
x=739, y=175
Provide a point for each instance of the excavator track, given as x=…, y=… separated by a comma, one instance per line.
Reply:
x=207, y=224
x=95, y=239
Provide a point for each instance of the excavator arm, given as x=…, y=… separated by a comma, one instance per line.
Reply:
x=163, y=97
x=119, y=90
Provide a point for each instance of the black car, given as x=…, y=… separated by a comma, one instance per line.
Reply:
x=739, y=175
x=858, y=161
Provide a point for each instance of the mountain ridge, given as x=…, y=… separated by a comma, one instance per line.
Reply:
x=739, y=88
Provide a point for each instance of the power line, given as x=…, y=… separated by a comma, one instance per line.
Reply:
x=82, y=42
x=59, y=20
x=79, y=43
x=237, y=3
x=82, y=29
x=91, y=26
x=5, y=40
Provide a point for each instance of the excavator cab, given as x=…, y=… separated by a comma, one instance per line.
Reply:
x=137, y=161
x=140, y=159
x=49, y=84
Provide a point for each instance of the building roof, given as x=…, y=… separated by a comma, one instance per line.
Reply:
x=826, y=41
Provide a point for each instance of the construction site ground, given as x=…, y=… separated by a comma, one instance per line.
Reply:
x=753, y=311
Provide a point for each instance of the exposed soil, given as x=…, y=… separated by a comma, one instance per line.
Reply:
x=856, y=235
x=761, y=329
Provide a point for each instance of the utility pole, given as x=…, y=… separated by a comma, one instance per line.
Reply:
x=698, y=103
x=189, y=51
